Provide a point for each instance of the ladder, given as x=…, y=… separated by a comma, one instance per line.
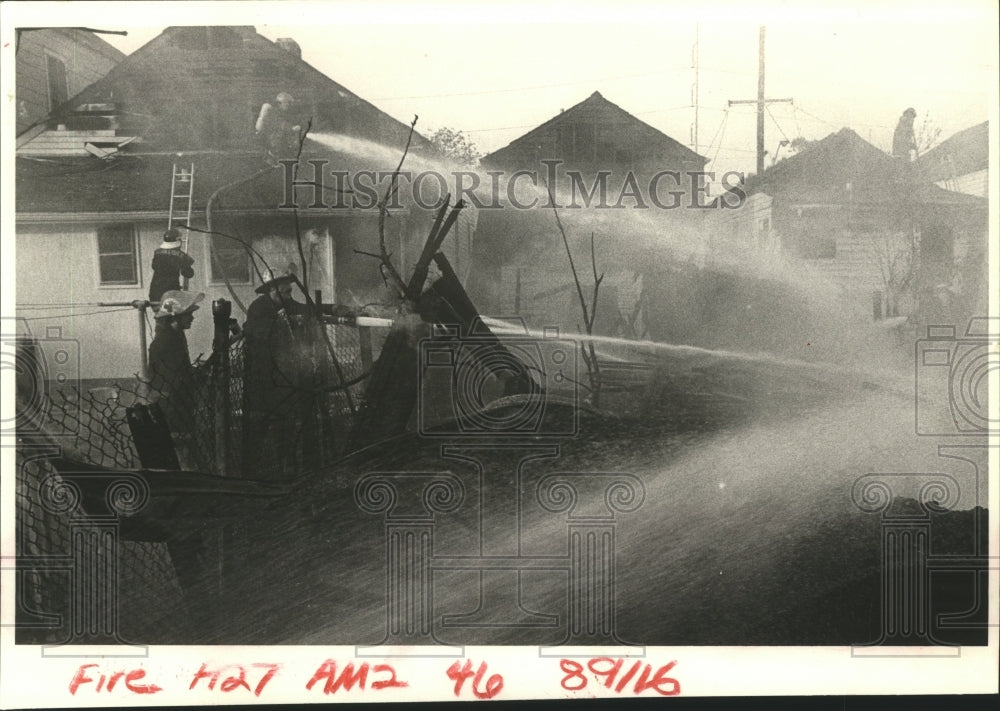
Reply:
x=181, y=188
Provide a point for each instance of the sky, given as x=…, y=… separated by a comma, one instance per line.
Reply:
x=497, y=70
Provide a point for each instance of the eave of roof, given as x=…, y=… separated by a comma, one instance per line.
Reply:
x=595, y=100
x=965, y=152
x=140, y=183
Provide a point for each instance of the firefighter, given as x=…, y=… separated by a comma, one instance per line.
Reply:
x=169, y=263
x=903, y=140
x=276, y=366
x=286, y=359
x=277, y=128
x=172, y=377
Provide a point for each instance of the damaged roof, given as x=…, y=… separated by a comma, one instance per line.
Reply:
x=201, y=88
x=141, y=183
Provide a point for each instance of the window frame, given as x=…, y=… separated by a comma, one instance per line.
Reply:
x=135, y=253
x=48, y=77
x=210, y=277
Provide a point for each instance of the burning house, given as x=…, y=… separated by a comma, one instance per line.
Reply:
x=53, y=64
x=610, y=174
x=174, y=132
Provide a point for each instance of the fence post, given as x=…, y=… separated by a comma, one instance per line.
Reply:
x=221, y=310
x=142, y=393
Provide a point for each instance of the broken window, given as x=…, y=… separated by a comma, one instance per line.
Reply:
x=55, y=70
x=117, y=255
x=229, y=261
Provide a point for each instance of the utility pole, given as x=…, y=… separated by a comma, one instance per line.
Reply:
x=761, y=103
x=694, y=98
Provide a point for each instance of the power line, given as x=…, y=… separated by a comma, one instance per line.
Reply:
x=57, y=305
x=722, y=129
x=634, y=113
x=780, y=130
x=812, y=116
x=716, y=134
x=74, y=315
x=531, y=88
x=499, y=128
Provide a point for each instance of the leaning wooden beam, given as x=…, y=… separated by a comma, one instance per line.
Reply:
x=433, y=243
x=459, y=310
x=394, y=385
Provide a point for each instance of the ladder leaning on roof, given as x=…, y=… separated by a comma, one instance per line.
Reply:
x=181, y=188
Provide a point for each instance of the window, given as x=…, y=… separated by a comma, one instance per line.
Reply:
x=117, y=257
x=55, y=70
x=229, y=261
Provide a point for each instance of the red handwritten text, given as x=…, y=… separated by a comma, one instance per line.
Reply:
x=234, y=676
x=459, y=674
x=349, y=677
x=108, y=682
x=608, y=669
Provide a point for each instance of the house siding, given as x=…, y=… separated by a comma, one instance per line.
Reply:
x=58, y=265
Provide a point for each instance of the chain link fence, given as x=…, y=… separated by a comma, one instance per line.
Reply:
x=94, y=423
x=169, y=569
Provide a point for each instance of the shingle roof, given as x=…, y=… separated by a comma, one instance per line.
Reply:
x=192, y=94
x=965, y=152
x=141, y=183
x=845, y=168
x=597, y=108
x=201, y=88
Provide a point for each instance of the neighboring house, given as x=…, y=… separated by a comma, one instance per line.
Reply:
x=960, y=163
x=54, y=64
x=860, y=219
x=742, y=232
x=93, y=189
x=519, y=261
x=596, y=135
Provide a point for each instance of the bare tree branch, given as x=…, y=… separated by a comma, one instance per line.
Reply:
x=383, y=212
x=589, y=316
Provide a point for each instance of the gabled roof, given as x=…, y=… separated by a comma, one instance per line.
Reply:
x=627, y=130
x=832, y=162
x=965, y=152
x=844, y=168
x=202, y=87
